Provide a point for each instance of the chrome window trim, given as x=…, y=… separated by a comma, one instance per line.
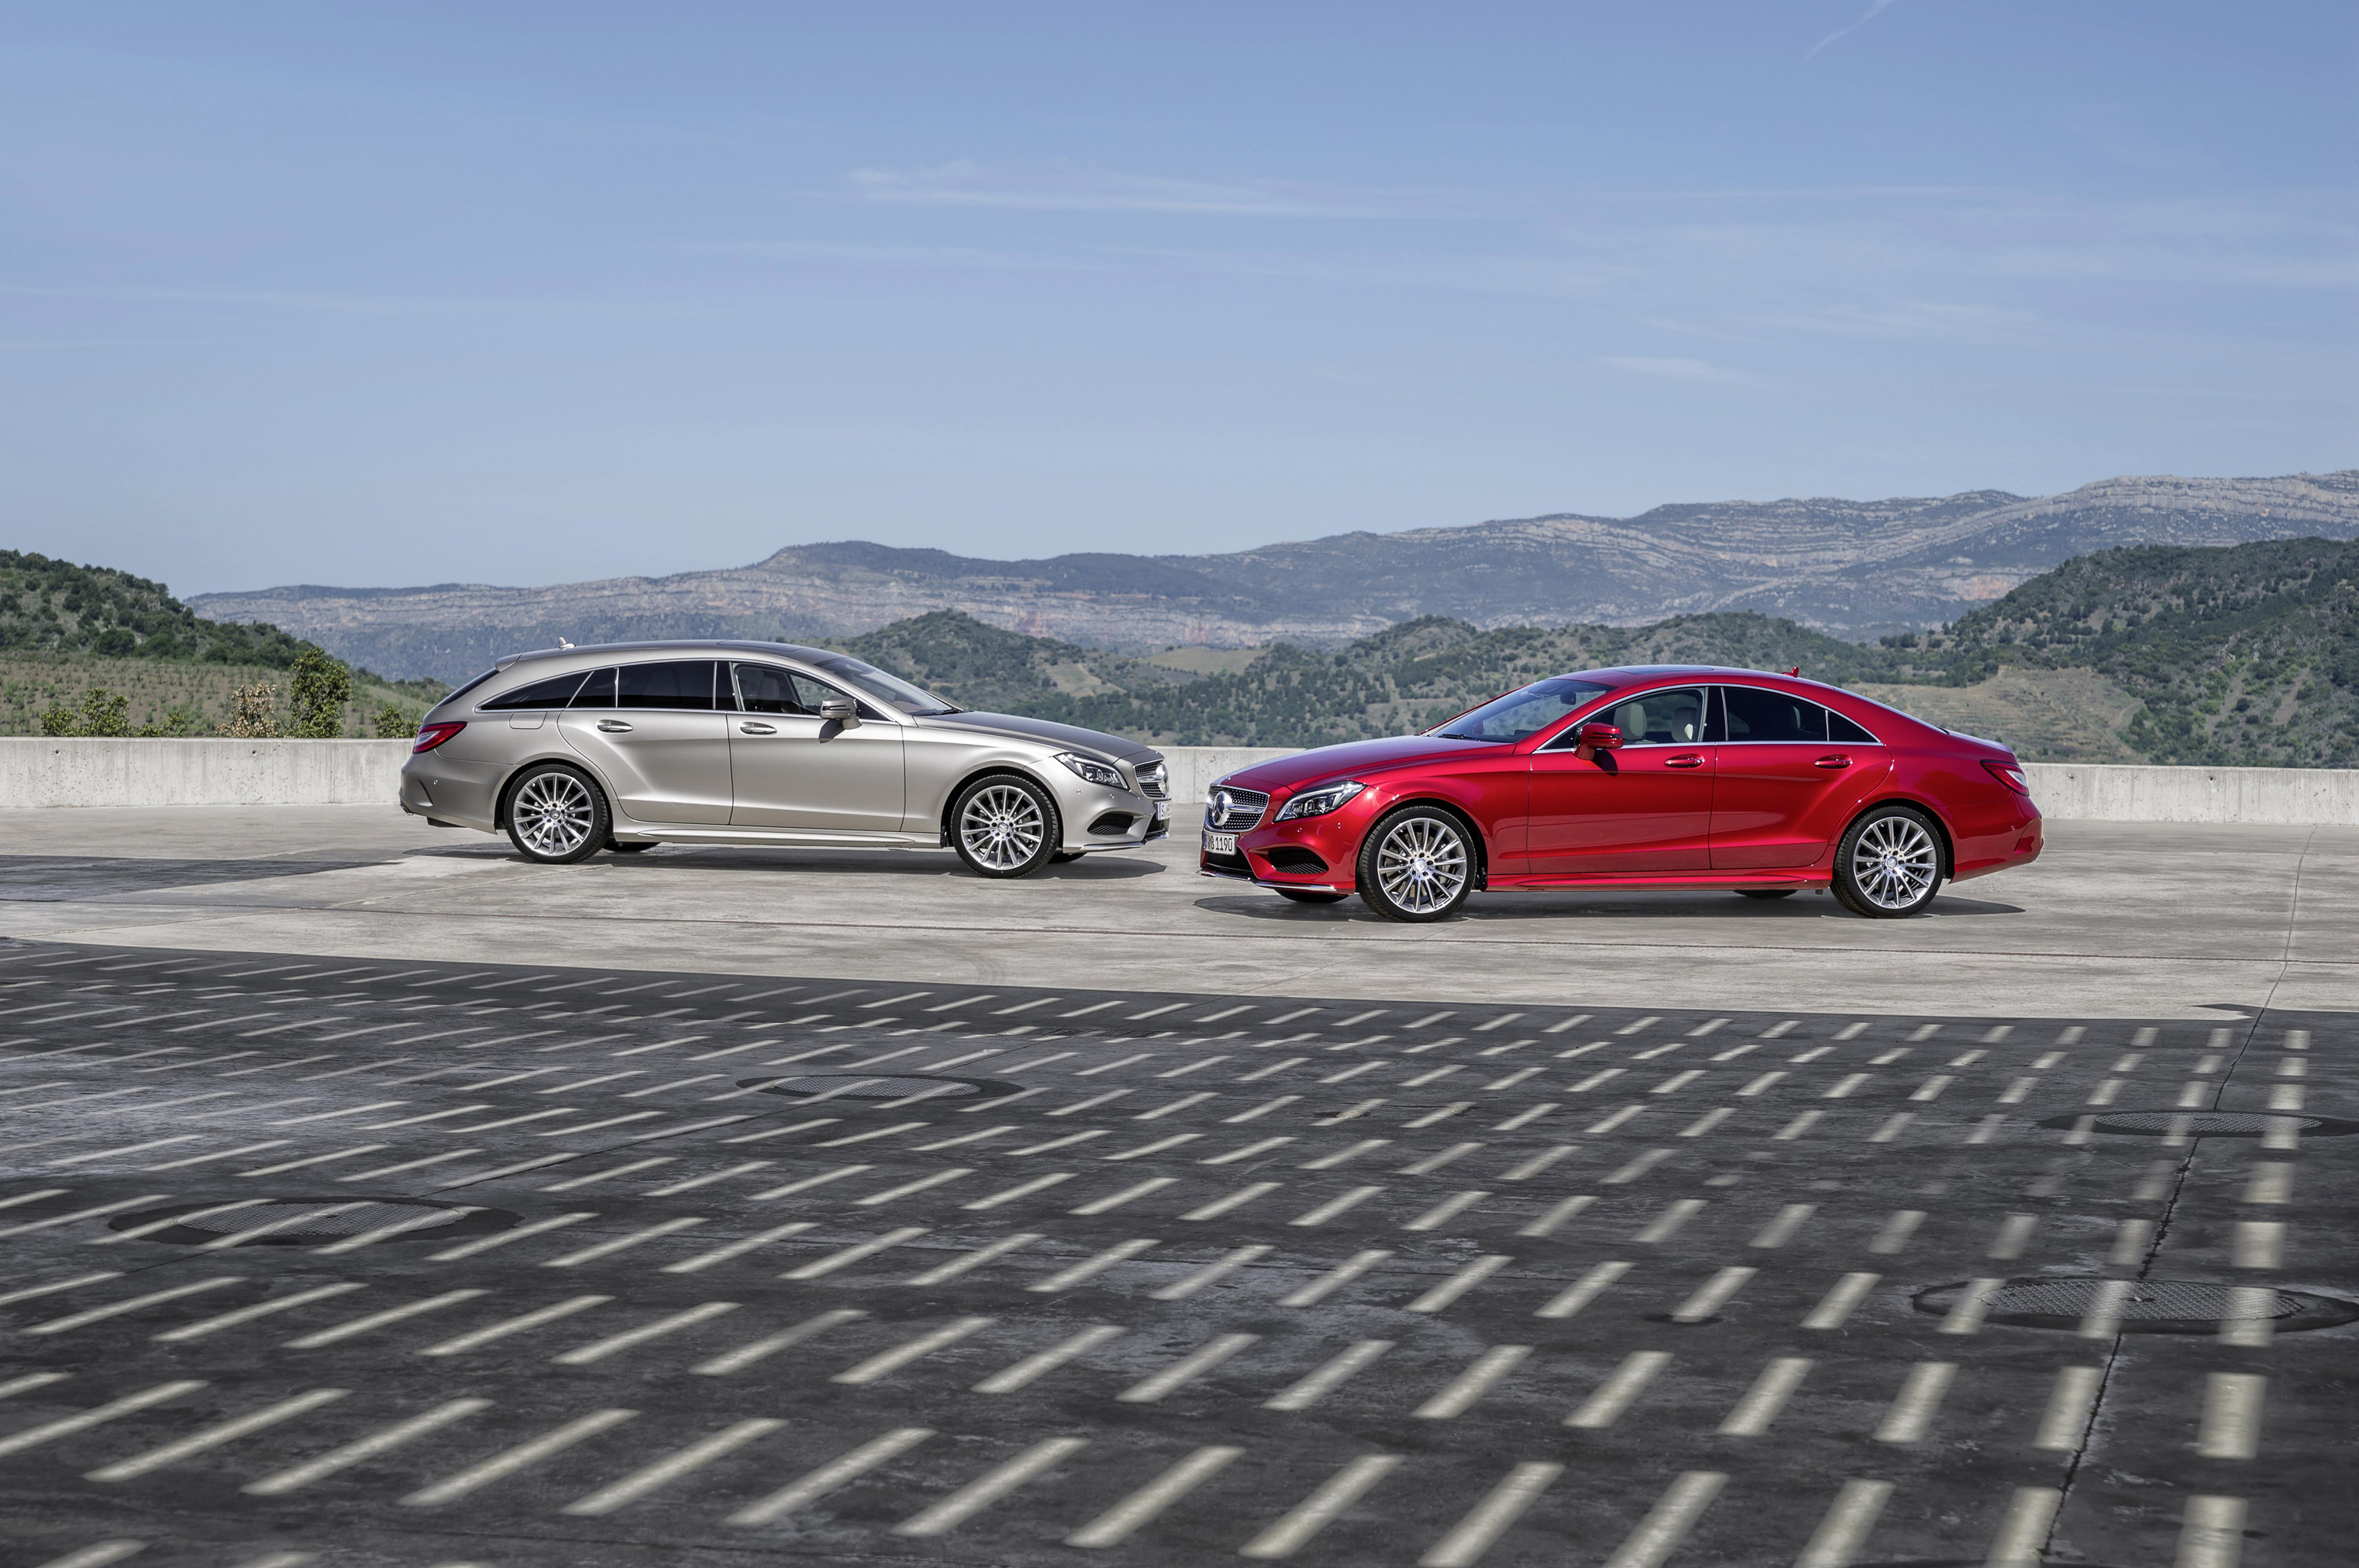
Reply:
x=1723, y=686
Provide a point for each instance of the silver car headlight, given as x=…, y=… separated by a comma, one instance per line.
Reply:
x=1320, y=802
x=1090, y=769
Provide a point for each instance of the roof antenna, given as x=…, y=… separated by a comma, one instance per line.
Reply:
x=562, y=643
x=1796, y=671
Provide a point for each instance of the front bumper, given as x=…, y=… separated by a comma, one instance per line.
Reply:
x=1099, y=818
x=1319, y=853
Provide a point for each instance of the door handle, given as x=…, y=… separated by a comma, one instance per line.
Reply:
x=613, y=727
x=757, y=729
x=1833, y=762
x=1687, y=759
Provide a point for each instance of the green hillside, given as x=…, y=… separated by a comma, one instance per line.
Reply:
x=56, y=607
x=2242, y=656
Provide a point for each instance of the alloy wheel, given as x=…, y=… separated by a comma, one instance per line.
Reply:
x=554, y=813
x=1895, y=862
x=1421, y=864
x=1002, y=827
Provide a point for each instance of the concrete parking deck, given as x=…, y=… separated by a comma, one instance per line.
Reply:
x=372, y=1199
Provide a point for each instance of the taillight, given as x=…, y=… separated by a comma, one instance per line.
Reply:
x=433, y=735
x=2008, y=774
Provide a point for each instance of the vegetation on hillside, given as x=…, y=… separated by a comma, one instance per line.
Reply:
x=54, y=607
x=2246, y=655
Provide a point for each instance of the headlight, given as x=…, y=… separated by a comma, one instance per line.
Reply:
x=1090, y=769
x=1320, y=802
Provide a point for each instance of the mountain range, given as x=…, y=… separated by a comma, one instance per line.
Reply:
x=1852, y=569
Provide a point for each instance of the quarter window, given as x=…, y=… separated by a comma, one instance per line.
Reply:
x=598, y=692
x=1843, y=730
x=1750, y=714
x=673, y=684
x=553, y=693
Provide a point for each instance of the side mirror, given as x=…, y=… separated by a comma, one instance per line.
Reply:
x=1602, y=738
x=843, y=710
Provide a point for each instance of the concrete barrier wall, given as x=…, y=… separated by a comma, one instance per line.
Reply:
x=42, y=772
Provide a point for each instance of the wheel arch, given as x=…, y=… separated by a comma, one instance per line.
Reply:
x=1465, y=819
x=1942, y=835
x=982, y=771
x=515, y=775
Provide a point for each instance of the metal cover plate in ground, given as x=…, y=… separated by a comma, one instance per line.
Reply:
x=2205, y=1124
x=296, y=1222
x=851, y=1086
x=2147, y=1306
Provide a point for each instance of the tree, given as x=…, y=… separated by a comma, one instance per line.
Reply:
x=252, y=715
x=395, y=723
x=318, y=694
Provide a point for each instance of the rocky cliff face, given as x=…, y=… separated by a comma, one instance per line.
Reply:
x=1856, y=569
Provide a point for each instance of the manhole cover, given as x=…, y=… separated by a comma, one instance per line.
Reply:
x=2146, y=1306
x=294, y=1222
x=2206, y=1124
x=850, y=1086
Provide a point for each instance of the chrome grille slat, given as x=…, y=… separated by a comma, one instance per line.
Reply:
x=1231, y=809
x=1154, y=781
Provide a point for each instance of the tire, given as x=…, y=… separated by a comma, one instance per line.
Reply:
x=1310, y=896
x=1767, y=892
x=1416, y=864
x=1888, y=864
x=557, y=815
x=1006, y=825
x=1066, y=856
x=640, y=847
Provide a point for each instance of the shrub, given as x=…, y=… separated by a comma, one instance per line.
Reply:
x=253, y=712
x=318, y=694
x=106, y=712
x=60, y=721
x=395, y=723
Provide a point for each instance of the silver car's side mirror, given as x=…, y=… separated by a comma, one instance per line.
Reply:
x=842, y=710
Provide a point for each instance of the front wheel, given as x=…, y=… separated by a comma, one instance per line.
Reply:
x=557, y=816
x=1888, y=866
x=1005, y=826
x=1416, y=864
x=1308, y=896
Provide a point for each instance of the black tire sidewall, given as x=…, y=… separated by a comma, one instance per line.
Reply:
x=1053, y=820
x=1372, y=890
x=1847, y=890
x=602, y=816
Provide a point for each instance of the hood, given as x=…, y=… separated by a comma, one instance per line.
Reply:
x=1351, y=756
x=1071, y=736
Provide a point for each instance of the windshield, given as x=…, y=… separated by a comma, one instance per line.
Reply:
x=1519, y=715
x=890, y=690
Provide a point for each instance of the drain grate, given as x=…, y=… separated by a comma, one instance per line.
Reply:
x=2146, y=1306
x=847, y=1086
x=2207, y=1123
x=295, y=1222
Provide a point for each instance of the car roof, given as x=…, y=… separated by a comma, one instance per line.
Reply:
x=773, y=649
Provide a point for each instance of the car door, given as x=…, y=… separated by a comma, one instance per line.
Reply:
x=1645, y=806
x=795, y=770
x=654, y=734
x=1784, y=786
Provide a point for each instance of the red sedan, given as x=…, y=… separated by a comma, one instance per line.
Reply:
x=1656, y=776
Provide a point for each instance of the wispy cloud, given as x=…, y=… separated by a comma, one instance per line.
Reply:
x=1681, y=370
x=1874, y=9
x=1066, y=188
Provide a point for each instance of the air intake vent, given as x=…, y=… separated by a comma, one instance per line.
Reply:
x=1293, y=857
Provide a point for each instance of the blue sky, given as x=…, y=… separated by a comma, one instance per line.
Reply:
x=529, y=293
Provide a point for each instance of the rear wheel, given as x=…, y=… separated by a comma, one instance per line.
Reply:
x=1308, y=896
x=1888, y=866
x=1416, y=864
x=557, y=815
x=1005, y=826
x=1767, y=892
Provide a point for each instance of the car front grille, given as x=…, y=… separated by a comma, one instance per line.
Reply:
x=1154, y=781
x=1230, y=808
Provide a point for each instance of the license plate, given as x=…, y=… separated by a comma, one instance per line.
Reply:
x=1220, y=843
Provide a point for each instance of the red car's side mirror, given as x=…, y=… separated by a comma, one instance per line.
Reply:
x=1604, y=737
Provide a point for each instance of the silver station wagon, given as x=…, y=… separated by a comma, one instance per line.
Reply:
x=574, y=750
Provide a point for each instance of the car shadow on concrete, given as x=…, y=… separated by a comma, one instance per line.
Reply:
x=1513, y=907
x=1109, y=866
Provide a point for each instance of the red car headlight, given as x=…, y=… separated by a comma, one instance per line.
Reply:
x=433, y=735
x=2010, y=774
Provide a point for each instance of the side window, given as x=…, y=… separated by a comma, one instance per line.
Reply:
x=673, y=683
x=766, y=688
x=1753, y=714
x=1659, y=718
x=553, y=693
x=598, y=692
x=1849, y=734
